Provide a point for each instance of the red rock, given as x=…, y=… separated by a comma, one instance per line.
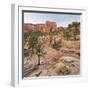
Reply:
x=47, y=27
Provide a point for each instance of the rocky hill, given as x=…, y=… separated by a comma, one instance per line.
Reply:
x=50, y=50
x=43, y=27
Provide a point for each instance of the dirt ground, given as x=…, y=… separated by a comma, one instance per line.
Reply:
x=65, y=61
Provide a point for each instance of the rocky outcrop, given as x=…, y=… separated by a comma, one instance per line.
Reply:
x=49, y=26
x=52, y=54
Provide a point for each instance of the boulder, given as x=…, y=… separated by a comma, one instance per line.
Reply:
x=59, y=69
x=68, y=59
x=53, y=54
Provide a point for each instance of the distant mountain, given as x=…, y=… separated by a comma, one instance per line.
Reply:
x=47, y=27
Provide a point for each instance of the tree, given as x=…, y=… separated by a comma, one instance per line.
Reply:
x=33, y=40
x=76, y=30
x=56, y=45
x=72, y=30
x=26, y=36
x=39, y=51
x=67, y=34
x=36, y=45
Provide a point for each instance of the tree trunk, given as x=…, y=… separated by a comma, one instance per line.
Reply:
x=31, y=52
x=38, y=60
x=74, y=37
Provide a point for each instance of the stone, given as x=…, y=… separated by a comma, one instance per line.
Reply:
x=53, y=54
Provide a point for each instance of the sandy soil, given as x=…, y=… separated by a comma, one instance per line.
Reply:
x=65, y=61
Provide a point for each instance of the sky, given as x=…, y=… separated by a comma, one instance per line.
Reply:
x=60, y=19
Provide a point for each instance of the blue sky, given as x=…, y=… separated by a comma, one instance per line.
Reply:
x=60, y=19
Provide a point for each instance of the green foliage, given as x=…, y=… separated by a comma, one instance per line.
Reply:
x=33, y=40
x=39, y=49
x=45, y=33
x=67, y=34
x=76, y=31
x=26, y=36
x=36, y=45
x=72, y=30
x=56, y=45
